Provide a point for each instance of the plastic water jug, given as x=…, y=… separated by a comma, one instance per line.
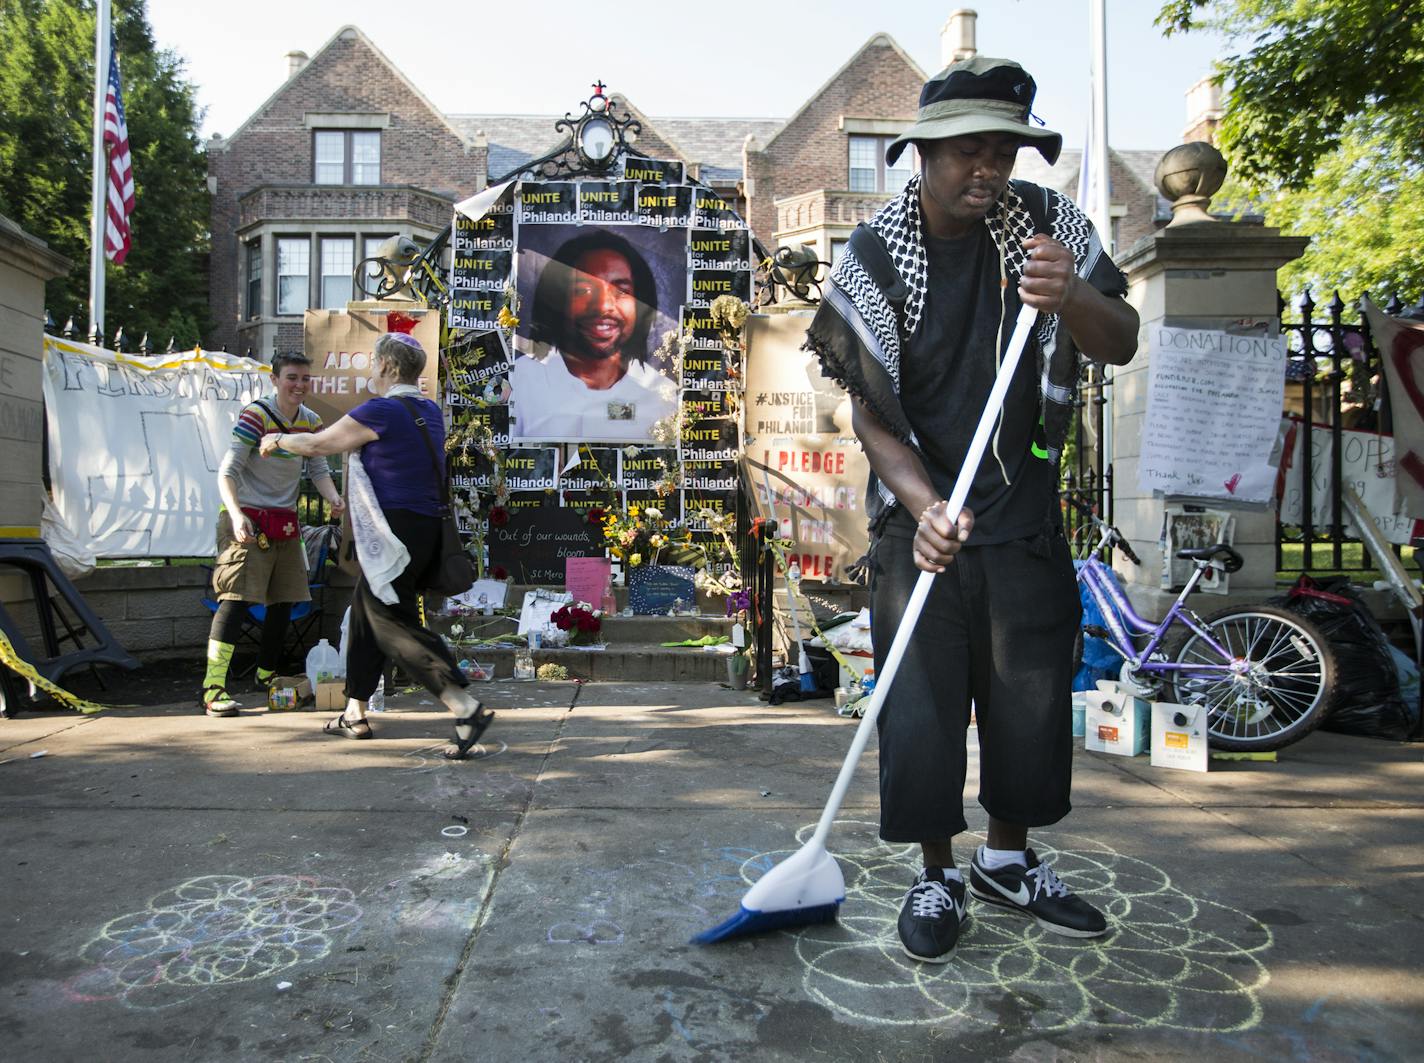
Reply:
x=378, y=699
x=324, y=663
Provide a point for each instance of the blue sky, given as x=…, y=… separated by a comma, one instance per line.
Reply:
x=759, y=59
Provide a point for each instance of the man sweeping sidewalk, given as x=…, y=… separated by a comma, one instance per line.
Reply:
x=914, y=326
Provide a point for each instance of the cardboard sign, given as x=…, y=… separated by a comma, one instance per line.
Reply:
x=340, y=345
x=536, y=544
x=800, y=443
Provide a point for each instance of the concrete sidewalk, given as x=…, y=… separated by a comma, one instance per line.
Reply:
x=180, y=888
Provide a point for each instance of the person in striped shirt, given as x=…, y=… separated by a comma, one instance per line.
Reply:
x=260, y=557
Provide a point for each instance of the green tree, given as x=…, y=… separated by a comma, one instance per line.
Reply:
x=46, y=100
x=1323, y=131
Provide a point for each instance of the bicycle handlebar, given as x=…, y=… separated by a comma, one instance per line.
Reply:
x=1114, y=537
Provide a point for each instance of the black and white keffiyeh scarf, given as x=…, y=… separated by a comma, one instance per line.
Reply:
x=857, y=333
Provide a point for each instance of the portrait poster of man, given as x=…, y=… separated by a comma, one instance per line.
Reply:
x=595, y=304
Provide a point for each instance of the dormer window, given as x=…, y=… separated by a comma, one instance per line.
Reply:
x=346, y=156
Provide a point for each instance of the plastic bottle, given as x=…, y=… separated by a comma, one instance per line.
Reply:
x=323, y=659
x=378, y=699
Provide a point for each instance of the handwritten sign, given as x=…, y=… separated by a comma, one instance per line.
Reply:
x=536, y=543
x=1367, y=463
x=657, y=588
x=588, y=579
x=1213, y=412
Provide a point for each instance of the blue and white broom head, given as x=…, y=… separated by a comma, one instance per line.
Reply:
x=804, y=889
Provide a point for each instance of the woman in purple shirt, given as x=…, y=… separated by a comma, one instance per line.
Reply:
x=399, y=458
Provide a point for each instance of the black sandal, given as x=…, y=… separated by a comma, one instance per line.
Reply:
x=341, y=727
x=479, y=722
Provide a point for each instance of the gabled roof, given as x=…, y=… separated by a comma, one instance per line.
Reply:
x=715, y=144
x=348, y=32
x=877, y=39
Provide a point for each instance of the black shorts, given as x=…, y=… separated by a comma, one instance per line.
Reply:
x=998, y=628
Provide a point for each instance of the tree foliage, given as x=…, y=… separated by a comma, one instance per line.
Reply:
x=1303, y=71
x=1324, y=132
x=46, y=100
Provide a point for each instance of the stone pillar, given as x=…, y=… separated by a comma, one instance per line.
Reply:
x=26, y=262
x=1198, y=272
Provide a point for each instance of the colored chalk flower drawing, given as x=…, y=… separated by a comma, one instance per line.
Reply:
x=1172, y=961
x=211, y=931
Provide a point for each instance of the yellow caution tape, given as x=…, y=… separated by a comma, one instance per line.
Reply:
x=22, y=667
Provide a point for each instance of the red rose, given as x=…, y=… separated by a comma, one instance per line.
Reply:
x=499, y=517
x=499, y=572
x=595, y=516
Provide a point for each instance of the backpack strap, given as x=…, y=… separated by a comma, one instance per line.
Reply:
x=416, y=416
x=869, y=247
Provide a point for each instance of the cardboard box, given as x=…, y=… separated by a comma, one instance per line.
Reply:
x=278, y=700
x=1114, y=721
x=1179, y=738
x=331, y=697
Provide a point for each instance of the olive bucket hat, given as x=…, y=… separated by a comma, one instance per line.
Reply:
x=979, y=95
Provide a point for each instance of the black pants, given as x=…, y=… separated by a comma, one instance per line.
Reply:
x=379, y=631
x=231, y=616
x=998, y=628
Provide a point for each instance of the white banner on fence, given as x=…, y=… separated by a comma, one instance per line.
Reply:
x=134, y=444
x=1213, y=411
x=1367, y=463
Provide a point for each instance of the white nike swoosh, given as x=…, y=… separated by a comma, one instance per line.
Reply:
x=1021, y=898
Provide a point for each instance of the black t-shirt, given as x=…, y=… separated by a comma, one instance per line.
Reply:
x=946, y=373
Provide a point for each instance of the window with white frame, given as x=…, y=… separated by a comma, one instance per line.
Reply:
x=346, y=156
x=868, y=171
x=338, y=261
x=293, y=274
x=254, y=279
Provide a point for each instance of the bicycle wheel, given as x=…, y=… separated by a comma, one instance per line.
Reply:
x=1278, y=685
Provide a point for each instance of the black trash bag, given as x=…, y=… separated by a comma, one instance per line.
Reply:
x=1367, y=700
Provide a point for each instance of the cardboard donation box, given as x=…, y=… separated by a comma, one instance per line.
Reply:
x=331, y=697
x=1114, y=721
x=1179, y=738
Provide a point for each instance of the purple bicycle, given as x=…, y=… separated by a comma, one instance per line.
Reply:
x=1265, y=675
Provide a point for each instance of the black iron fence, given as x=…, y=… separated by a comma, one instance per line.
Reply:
x=1334, y=383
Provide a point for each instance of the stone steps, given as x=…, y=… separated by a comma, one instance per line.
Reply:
x=630, y=662
x=632, y=653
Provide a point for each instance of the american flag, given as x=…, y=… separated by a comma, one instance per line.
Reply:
x=117, y=238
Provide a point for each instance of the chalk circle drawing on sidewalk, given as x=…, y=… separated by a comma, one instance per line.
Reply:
x=210, y=931
x=1172, y=961
x=431, y=758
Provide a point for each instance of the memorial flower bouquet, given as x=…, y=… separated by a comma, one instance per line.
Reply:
x=580, y=622
x=644, y=536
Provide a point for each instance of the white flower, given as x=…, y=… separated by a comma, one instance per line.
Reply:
x=653, y=513
x=632, y=452
x=457, y=630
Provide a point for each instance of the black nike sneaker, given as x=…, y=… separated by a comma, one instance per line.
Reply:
x=930, y=919
x=1038, y=893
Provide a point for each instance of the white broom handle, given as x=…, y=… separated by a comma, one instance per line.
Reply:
x=1022, y=326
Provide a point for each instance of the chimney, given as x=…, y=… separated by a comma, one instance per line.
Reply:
x=1203, y=111
x=295, y=62
x=956, y=39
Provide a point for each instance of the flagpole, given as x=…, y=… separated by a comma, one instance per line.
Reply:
x=1101, y=208
x=99, y=217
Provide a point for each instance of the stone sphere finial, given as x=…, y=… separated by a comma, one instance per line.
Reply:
x=1189, y=175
